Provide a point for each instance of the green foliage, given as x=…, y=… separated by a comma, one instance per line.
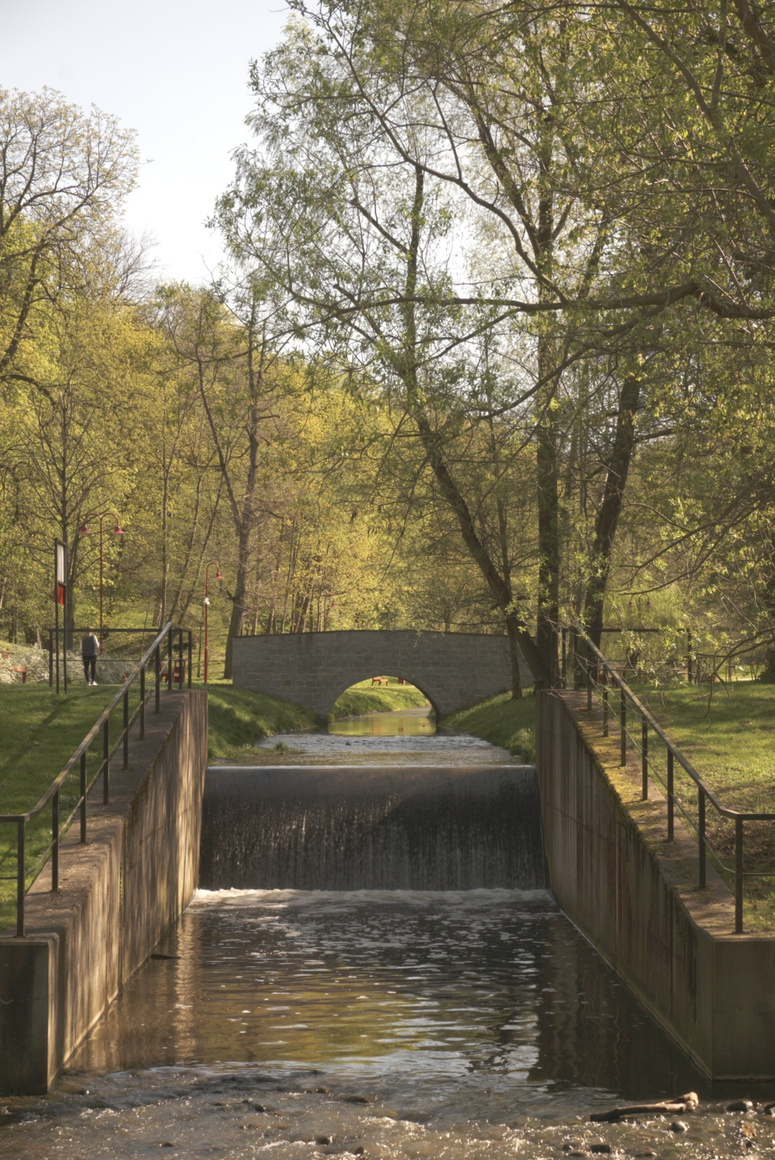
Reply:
x=367, y=698
x=398, y=404
x=500, y=720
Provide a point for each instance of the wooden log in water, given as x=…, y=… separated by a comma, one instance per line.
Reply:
x=676, y=1106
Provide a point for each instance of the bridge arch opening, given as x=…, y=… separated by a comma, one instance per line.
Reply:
x=382, y=693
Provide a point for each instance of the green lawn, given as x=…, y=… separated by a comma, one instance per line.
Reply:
x=367, y=698
x=40, y=731
x=727, y=731
x=501, y=721
x=238, y=718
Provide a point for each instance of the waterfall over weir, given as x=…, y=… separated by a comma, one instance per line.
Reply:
x=367, y=828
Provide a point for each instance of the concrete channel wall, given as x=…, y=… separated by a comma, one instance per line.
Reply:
x=118, y=895
x=635, y=897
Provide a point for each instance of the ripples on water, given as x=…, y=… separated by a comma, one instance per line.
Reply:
x=388, y=1024
x=405, y=1024
x=382, y=739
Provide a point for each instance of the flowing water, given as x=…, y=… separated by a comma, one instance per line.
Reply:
x=409, y=723
x=384, y=1023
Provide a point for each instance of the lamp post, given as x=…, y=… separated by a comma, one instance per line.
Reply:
x=218, y=576
x=84, y=531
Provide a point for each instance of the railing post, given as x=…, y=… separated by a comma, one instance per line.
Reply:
x=106, y=761
x=126, y=727
x=180, y=658
x=644, y=758
x=701, y=833
x=21, y=855
x=170, y=651
x=589, y=676
x=55, y=842
x=605, y=701
x=83, y=797
x=157, y=662
x=623, y=722
x=738, y=875
x=142, y=703
x=670, y=795
x=190, y=655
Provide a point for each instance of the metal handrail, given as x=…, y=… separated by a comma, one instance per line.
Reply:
x=79, y=756
x=594, y=663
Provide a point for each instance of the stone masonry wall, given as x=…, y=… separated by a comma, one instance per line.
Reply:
x=313, y=669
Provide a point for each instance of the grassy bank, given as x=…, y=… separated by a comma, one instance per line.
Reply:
x=40, y=731
x=367, y=698
x=238, y=718
x=727, y=732
x=501, y=721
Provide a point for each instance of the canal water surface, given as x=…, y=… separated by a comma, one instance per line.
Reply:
x=391, y=1024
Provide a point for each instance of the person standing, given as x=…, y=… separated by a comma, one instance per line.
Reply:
x=90, y=648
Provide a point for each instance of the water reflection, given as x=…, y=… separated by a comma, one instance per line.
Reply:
x=403, y=723
x=416, y=991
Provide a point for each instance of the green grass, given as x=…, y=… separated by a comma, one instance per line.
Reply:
x=238, y=718
x=40, y=731
x=367, y=698
x=728, y=734
x=501, y=721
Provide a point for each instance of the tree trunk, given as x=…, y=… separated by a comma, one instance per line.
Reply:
x=610, y=508
x=512, y=628
x=499, y=588
x=548, y=503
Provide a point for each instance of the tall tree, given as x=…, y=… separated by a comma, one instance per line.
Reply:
x=63, y=177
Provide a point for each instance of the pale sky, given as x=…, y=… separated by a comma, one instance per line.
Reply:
x=174, y=70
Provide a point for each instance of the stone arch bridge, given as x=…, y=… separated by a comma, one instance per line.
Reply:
x=454, y=670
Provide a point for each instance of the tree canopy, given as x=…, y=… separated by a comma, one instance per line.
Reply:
x=490, y=350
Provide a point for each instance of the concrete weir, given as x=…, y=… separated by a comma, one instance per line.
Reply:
x=118, y=894
x=367, y=828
